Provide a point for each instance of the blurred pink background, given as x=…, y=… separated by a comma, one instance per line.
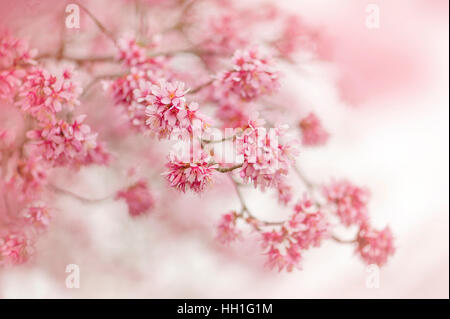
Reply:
x=388, y=117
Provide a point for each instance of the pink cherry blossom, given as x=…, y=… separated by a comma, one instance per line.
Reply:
x=227, y=232
x=138, y=198
x=295, y=35
x=313, y=133
x=266, y=160
x=134, y=54
x=43, y=94
x=375, y=246
x=62, y=143
x=308, y=228
x=194, y=175
x=29, y=176
x=348, y=201
x=15, y=248
x=252, y=76
x=10, y=81
x=169, y=115
x=222, y=35
x=232, y=114
x=284, y=192
x=98, y=155
x=15, y=52
x=37, y=215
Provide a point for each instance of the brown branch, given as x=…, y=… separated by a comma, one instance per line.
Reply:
x=58, y=190
x=244, y=209
x=343, y=241
x=95, y=80
x=228, y=169
x=201, y=87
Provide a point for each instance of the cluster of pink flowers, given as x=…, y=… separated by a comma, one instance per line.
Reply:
x=15, y=248
x=266, y=159
x=232, y=114
x=284, y=192
x=62, y=143
x=38, y=216
x=294, y=36
x=375, y=246
x=153, y=100
x=306, y=228
x=223, y=35
x=348, y=201
x=227, y=231
x=252, y=75
x=138, y=198
x=124, y=90
x=43, y=94
x=30, y=175
x=194, y=173
x=14, y=56
x=313, y=133
x=169, y=115
x=15, y=52
x=134, y=54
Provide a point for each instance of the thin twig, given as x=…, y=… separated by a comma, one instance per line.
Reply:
x=228, y=169
x=201, y=87
x=95, y=81
x=99, y=24
x=303, y=178
x=244, y=208
x=343, y=241
x=58, y=190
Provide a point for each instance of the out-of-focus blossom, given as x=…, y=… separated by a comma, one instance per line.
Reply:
x=284, y=192
x=195, y=174
x=223, y=35
x=252, y=75
x=375, y=246
x=313, y=133
x=98, y=155
x=29, y=175
x=134, y=54
x=232, y=114
x=15, y=52
x=10, y=81
x=226, y=229
x=308, y=228
x=15, y=248
x=138, y=198
x=295, y=36
x=6, y=140
x=37, y=215
x=348, y=201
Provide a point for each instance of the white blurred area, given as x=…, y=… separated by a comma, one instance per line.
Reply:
x=395, y=143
